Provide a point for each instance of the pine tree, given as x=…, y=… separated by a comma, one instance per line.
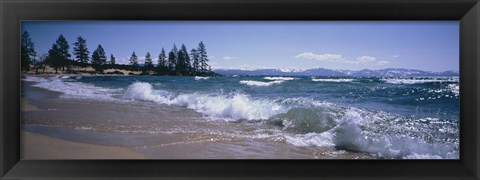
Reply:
x=186, y=66
x=203, y=58
x=63, y=47
x=112, y=59
x=171, y=61
x=81, y=51
x=27, y=51
x=133, y=59
x=196, y=65
x=99, y=58
x=180, y=66
x=148, y=62
x=54, y=58
x=172, y=58
x=162, y=59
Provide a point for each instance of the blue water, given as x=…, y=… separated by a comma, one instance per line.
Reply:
x=388, y=117
x=370, y=93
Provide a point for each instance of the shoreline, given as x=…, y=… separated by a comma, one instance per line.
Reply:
x=158, y=133
x=47, y=147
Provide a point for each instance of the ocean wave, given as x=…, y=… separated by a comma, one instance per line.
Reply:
x=419, y=81
x=304, y=120
x=280, y=78
x=36, y=79
x=359, y=131
x=73, y=89
x=201, y=78
x=448, y=91
x=333, y=80
x=454, y=88
x=260, y=83
x=235, y=106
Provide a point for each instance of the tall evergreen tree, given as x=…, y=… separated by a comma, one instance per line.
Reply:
x=172, y=58
x=63, y=47
x=184, y=60
x=99, y=58
x=27, y=51
x=54, y=58
x=195, y=58
x=162, y=59
x=80, y=51
x=148, y=62
x=203, y=58
x=134, y=59
x=112, y=59
x=180, y=66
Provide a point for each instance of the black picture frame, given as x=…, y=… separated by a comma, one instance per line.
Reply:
x=14, y=11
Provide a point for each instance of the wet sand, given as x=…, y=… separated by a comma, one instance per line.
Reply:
x=59, y=128
x=37, y=146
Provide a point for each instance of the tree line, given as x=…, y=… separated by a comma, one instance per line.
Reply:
x=176, y=62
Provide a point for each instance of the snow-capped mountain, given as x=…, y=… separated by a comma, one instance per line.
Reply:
x=390, y=72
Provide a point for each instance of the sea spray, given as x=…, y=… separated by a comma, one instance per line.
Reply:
x=351, y=134
x=332, y=80
x=413, y=80
x=73, y=89
x=201, y=78
x=260, y=83
x=235, y=106
x=280, y=78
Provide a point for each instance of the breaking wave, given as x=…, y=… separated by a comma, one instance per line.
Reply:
x=260, y=83
x=73, y=89
x=352, y=132
x=419, y=81
x=280, y=78
x=235, y=106
x=332, y=80
x=201, y=78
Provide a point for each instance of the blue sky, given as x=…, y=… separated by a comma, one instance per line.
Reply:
x=354, y=45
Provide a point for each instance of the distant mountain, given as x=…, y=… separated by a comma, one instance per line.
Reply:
x=390, y=72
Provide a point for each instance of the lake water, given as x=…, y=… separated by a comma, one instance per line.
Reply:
x=399, y=118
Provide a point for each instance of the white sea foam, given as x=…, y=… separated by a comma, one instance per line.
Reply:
x=454, y=88
x=36, y=79
x=201, y=78
x=73, y=89
x=419, y=81
x=280, y=78
x=144, y=91
x=324, y=139
x=227, y=107
x=332, y=80
x=422, y=156
x=445, y=92
x=260, y=83
x=350, y=136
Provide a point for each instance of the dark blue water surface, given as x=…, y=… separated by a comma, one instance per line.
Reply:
x=421, y=97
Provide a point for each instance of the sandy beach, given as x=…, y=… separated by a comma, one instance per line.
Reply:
x=37, y=146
